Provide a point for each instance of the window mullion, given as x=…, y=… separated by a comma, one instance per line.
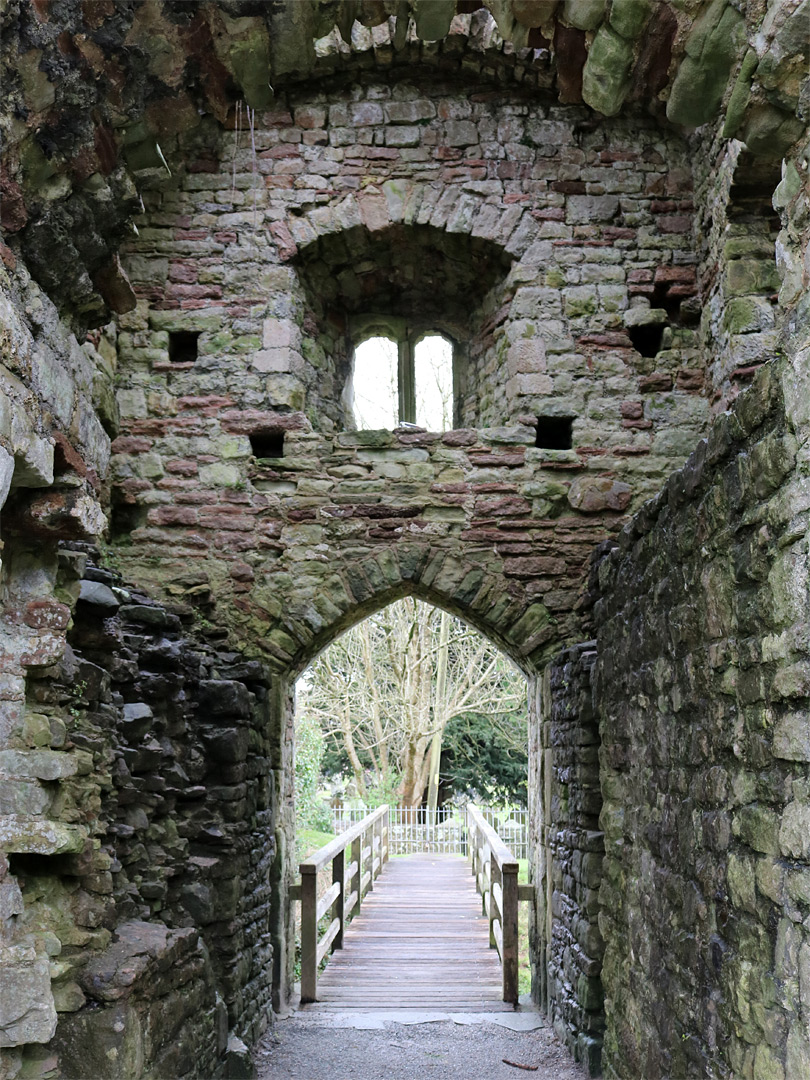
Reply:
x=407, y=387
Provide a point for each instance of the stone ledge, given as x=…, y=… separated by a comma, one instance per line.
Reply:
x=35, y=836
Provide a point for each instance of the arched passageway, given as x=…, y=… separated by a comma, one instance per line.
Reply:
x=614, y=180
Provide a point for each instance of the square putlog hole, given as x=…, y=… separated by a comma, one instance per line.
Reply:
x=554, y=432
x=267, y=444
x=183, y=346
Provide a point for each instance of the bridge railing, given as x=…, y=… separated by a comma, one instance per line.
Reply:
x=496, y=879
x=367, y=845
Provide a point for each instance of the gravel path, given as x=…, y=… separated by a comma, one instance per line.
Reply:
x=306, y=1049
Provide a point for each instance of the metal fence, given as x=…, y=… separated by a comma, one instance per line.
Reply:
x=415, y=830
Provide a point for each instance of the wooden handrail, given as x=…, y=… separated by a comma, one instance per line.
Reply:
x=368, y=843
x=496, y=872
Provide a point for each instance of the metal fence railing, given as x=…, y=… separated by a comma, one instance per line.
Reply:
x=413, y=830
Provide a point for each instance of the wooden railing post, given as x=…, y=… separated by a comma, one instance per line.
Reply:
x=509, y=925
x=357, y=878
x=494, y=874
x=309, y=933
x=338, y=910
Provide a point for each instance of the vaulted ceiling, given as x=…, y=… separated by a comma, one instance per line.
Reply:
x=99, y=94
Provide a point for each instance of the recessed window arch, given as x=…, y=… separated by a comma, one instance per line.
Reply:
x=401, y=375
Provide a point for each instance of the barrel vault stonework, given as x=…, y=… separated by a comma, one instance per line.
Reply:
x=603, y=206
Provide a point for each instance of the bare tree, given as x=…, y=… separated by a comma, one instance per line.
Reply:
x=375, y=689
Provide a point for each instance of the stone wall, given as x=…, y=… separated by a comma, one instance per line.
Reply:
x=568, y=851
x=702, y=692
x=174, y=820
x=704, y=763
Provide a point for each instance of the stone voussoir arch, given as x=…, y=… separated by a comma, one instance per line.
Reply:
x=378, y=207
x=457, y=579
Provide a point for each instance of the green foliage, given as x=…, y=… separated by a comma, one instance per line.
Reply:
x=487, y=757
x=313, y=812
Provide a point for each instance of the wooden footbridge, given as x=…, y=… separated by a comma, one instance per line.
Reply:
x=413, y=931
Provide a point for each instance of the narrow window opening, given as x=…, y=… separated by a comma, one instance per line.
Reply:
x=125, y=518
x=267, y=444
x=375, y=384
x=647, y=338
x=554, y=432
x=433, y=378
x=183, y=346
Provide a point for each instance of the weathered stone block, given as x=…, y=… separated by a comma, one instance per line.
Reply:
x=27, y=1013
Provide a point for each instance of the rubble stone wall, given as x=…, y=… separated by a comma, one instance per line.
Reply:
x=155, y=912
x=568, y=849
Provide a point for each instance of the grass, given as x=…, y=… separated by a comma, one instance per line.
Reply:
x=524, y=967
x=307, y=842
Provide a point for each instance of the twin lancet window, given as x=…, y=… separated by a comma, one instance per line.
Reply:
x=401, y=378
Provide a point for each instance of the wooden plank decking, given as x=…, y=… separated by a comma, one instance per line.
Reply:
x=419, y=942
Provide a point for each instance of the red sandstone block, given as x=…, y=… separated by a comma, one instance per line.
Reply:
x=495, y=488
x=641, y=425
x=688, y=379
x=186, y=273
x=673, y=274
x=311, y=117
x=133, y=487
x=506, y=461
x=641, y=274
x=681, y=290
x=463, y=173
x=675, y=223
x=230, y=522
x=609, y=339
x=131, y=444
x=658, y=381
x=285, y=245
x=613, y=232
x=632, y=410
x=551, y=213
x=208, y=404
x=641, y=290
x=515, y=197
x=190, y=234
x=183, y=466
x=629, y=451
x=172, y=515
x=569, y=187
x=533, y=567
x=502, y=507
x=194, y=292
x=743, y=374
x=280, y=150
x=233, y=543
x=46, y=615
x=460, y=437
x=227, y=237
